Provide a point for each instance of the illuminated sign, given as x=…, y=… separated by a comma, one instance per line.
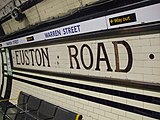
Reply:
x=30, y=38
x=9, y=68
x=112, y=21
x=122, y=19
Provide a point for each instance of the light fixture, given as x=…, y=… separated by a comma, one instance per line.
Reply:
x=17, y=14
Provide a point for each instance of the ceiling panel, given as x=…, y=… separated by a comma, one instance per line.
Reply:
x=6, y=6
x=3, y=3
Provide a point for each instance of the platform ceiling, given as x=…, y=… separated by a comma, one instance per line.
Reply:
x=6, y=6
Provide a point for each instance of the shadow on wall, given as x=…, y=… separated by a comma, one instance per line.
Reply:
x=1, y=32
x=0, y=70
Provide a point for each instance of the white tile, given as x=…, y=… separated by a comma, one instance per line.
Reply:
x=134, y=116
x=149, y=36
x=79, y=105
x=155, y=41
x=148, y=118
x=152, y=93
x=124, y=118
x=87, y=118
x=89, y=108
x=119, y=88
x=105, y=108
x=105, y=96
x=118, y=111
x=93, y=115
x=103, y=118
x=119, y=99
x=152, y=107
x=99, y=111
x=136, y=103
x=96, y=105
x=111, y=115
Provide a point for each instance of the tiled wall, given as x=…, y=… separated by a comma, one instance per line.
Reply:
x=46, y=10
x=95, y=100
x=143, y=67
x=3, y=87
x=0, y=70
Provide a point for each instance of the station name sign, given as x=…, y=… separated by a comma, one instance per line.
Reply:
x=117, y=20
x=63, y=31
x=82, y=56
x=123, y=19
x=31, y=38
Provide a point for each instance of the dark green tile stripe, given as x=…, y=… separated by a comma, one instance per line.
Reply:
x=4, y=64
x=111, y=81
x=121, y=106
x=134, y=96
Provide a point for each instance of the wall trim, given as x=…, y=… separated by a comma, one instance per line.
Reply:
x=117, y=105
x=112, y=81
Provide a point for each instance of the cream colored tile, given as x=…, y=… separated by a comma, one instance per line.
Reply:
x=89, y=108
x=135, y=103
x=119, y=99
x=124, y=118
x=111, y=115
x=96, y=105
x=151, y=107
x=118, y=111
x=99, y=111
x=79, y=105
x=148, y=118
x=105, y=108
x=134, y=116
x=151, y=93
x=83, y=112
x=134, y=90
x=103, y=118
x=93, y=115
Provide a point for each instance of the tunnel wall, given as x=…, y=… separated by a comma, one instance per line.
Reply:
x=102, y=68
x=98, y=92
